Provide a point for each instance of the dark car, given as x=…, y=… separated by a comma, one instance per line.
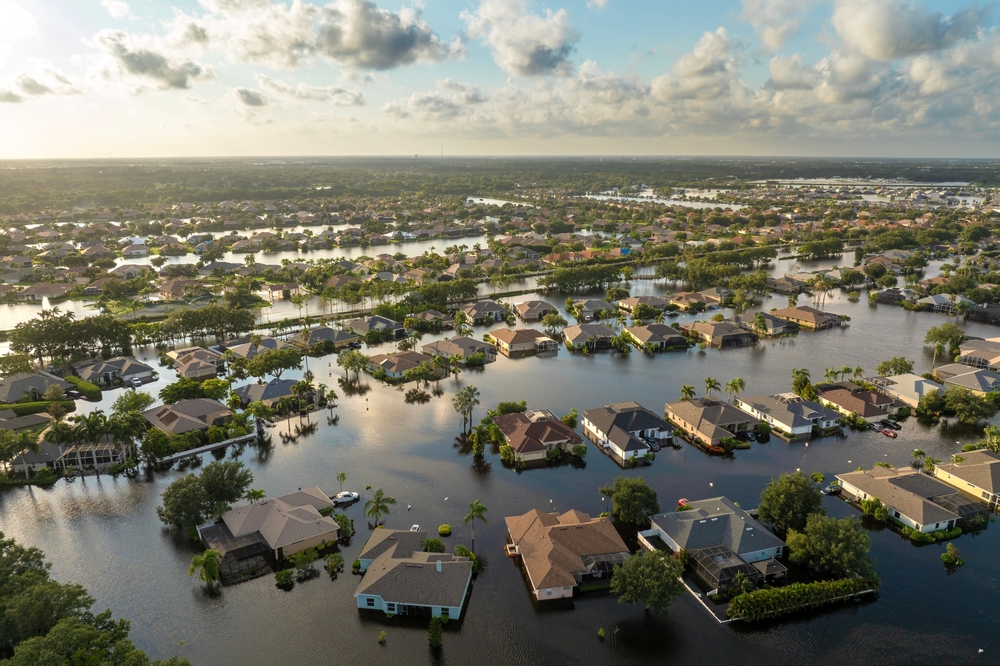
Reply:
x=831, y=490
x=743, y=436
x=891, y=424
x=72, y=394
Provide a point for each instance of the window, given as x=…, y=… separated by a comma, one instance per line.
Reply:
x=548, y=592
x=371, y=602
x=390, y=608
x=444, y=612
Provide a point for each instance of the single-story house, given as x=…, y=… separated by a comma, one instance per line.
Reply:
x=789, y=414
x=437, y=320
x=103, y=372
x=708, y=420
x=978, y=474
x=533, y=310
x=135, y=250
x=980, y=353
x=656, y=337
x=591, y=336
x=461, y=346
x=399, y=578
x=785, y=285
x=589, y=309
x=686, y=299
x=247, y=349
x=34, y=385
x=329, y=338
x=269, y=393
x=625, y=428
x=722, y=539
x=522, y=341
x=560, y=552
x=179, y=288
x=482, y=312
x=720, y=333
x=655, y=302
x=944, y=303
x=908, y=388
x=978, y=380
x=80, y=455
x=869, y=405
x=396, y=364
x=40, y=290
x=384, y=326
x=808, y=317
x=188, y=416
x=772, y=325
x=915, y=499
x=196, y=362
x=534, y=433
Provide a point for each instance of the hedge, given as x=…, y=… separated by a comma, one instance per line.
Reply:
x=931, y=537
x=87, y=389
x=25, y=408
x=774, y=602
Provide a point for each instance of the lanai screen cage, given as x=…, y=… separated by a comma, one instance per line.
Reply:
x=717, y=566
x=601, y=566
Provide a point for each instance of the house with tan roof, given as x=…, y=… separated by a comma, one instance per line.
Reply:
x=980, y=353
x=708, y=420
x=656, y=337
x=655, y=302
x=522, y=341
x=869, y=405
x=196, y=362
x=977, y=474
x=808, y=317
x=907, y=388
x=486, y=311
x=560, y=552
x=396, y=364
x=188, y=416
x=534, y=310
x=534, y=433
x=720, y=333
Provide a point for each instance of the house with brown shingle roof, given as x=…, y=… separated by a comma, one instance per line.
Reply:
x=534, y=433
x=522, y=341
x=869, y=405
x=808, y=317
x=708, y=420
x=188, y=416
x=561, y=552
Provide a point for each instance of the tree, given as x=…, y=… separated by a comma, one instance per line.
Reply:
x=184, y=503
x=687, y=392
x=432, y=545
x=897, y=365
x=464, y=402
x=947, y=334
x=435, y=634
x=216, y=389
x=802, y=385
x=831, y=547
x=207, y=566
x=552, y=322
x=477, y=511
x=651, y=578
x=788, y=501
x=379, y=505
x=182, y=389
x=12, y=364
x=967, y=406
x=225, y=481
x=735, y=386
x=341, y=478
x=274, y=362
x=255, y=495
x=632, y=501
x=570, y=418
x=711, y=384
x=132, y=401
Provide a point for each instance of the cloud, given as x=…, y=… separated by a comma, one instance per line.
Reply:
x=359, y=34
x=118, y=9
x=39, y=80
x=249, y=97
x=788, y=73
x=891, y=29
x=450, y=100
x=339, y=96
x=16, y=25
x=708, y=72
x=259, y=31
x=396, y=110
x=146, y=61
x=524, y=44
x=775, y=21
x=600, y=4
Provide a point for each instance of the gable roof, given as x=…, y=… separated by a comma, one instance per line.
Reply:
x=713, y=522
x=284, y=520
x=906, y=490
x=656, y=333
x=187, y=415
x=980, y=468
x=533, y=431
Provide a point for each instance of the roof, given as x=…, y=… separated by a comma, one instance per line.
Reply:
x=269, y=392
x=909, y=386
x=533, y=308
x=284, y=520
x=248, y=349
x=364, y=325
x=517, y=336
x=187, y=415
x=651, y=301
x=399, y=361
x=905, y=490
x=980, y=468
x=406, y=575
x=581, y=333
x=382, y=540
x=708, y=416
x=862, y=403
x=628, y=416
x=480, y=308
x=324, y=334
x=795, y=413
x=957, y=374
x=553, y=547
x=806, y=313
x=121, y=365
x=18, y=385
x=534, y=431
x=656, y=333
x=463, y=346
x=714, y=522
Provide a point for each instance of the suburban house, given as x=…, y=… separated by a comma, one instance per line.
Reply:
x=269, y=393
x=589, y=309
x=461, y=346
x=9, y=420
x=980, y=353
x=785, y=285
x=720, y=333
x=591, y=336
x=561, y=552
x=179, y=288
x=908, y=388
x=328, y=338
x=534, y=433
x=869, y=405
x=522, y=341
x=248, y=349
x=788, y=414
x=913, y=498
x=192, y=415
x=655, y=302
x=773, y=325
x=808, y=317
x=978, y=474
x=625, y=428
x=716, y=295
x=483, y=312
x=533, y=310
x=656, y=337
x=135, y=250
x=978, y=380
x=944, y=303
x=40, y=290
x=723, y=540
x=365, y=325
x=80, y=455
x=395, y=364
x=708, y=420
x=399, y=578
x=272, y=529
x=34, y=386
x=123, y=368
x=686, y=299
x=196, y=362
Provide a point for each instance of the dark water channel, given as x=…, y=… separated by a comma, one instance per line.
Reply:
x=104, y=533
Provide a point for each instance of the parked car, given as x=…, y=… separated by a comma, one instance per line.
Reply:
x=135, y=382
x=831, y=490
x=891, y=424
x=874, y=427
x=345, y=497
x=414, y=528
x=889, y=433
x=72, y=394
x=743, y=436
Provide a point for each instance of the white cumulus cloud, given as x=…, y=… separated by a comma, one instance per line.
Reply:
x=524, y=44
x=118, y=9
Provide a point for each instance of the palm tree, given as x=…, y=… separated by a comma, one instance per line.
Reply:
x=859, y=372
x=793, y=300
x=735, y=386
x=255, y=495
x=341, y=477
x=711, y=385
x=207, y=566
x=830, y=375
x=938, y=350
x=687, y=392
x=259, y=411
x=844, y=371
x=379, y=505
x=477, y=511
x=760, y=324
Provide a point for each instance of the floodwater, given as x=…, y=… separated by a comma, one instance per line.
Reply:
x=104, y=533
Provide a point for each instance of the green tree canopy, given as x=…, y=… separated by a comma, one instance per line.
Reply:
x=184, y=503
x=788, y=501
x=836, y=548
x=182, y=389
x=274, y=361
x=898, y=365
x=632, y=500
x=225, y=481
x=651, y=578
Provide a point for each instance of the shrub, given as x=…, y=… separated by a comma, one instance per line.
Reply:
x=25, y=408
x=951, y=557
x=87, y=389
x=444, y=530
x=600, y=633
x=284, y=578
x=356, y=565
x=44, y=477
x=462, y=551
x=345, y=525
x=381, y=637
x=434, y=633
x=432, y=545
x=507, y=453
x=774, y=602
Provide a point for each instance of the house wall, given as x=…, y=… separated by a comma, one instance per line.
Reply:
x=314, y=542
x=750, y=409
x=760, y=555
x=894, y=512
x=961, y=484
x=375, y=602
x=548, y=593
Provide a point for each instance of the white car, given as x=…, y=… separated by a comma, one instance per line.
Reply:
x=345, y=497
x=135, y=382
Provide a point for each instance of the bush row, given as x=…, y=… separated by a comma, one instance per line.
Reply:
x=774, y=602
x=930, y=537
x=88, y=390
x=25, y=408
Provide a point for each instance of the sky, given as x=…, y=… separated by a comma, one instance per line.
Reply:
x=148, y=78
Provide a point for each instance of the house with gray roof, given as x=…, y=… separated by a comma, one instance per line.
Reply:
x=486, y=311
x=461, y=346
x=977, y=380
x=591, y=336
x=944, y=303
x=626, y=428
x=387, y=328
x=656, y=337
x=247, y=349
x=399, y=578
x=268, y=393
x=188, y=416
x=327, y=338
x=722, y=538
x=107, y=372
x=534, y=310
x=788, y=414
x=33, y=385
x=907, y=388
x=977, y=473
x=588, y=309
x=708, y=420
